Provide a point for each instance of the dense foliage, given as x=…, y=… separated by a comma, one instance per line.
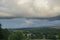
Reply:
x=44, y=32
x=17, y=36
x=1, y=33
x=30, y=33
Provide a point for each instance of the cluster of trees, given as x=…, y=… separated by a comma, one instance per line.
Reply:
x=17, y=36
x=47, y=33
x=40, y=33
x=8, y=35
x=1, y=33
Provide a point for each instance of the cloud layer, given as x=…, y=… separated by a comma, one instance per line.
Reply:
x=29, y=8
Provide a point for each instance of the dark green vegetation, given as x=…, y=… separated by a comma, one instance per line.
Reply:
x=44, y=32
x=1, y=33
x=17, y=36
x=6, y=34
x=30, y=33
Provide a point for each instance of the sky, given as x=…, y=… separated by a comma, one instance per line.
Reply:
x=46, y=9
x=28, y=23
x=29, y=8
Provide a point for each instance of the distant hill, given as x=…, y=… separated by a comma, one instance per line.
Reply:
x=57, y=27
x=53, y=27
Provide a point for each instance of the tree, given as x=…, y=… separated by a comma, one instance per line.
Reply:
x=59, y=36
x=1, y=33
x=17, y=36
x=6, y=34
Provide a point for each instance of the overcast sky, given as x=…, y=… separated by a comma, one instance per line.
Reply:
x=29, y=8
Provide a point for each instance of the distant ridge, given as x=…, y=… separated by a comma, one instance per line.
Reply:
x=55, y=27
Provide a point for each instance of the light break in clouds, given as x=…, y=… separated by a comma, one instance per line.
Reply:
x=29, y=8
x=27, y=23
